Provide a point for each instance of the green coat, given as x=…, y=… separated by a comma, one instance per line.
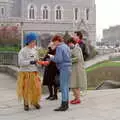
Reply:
x=78, y=77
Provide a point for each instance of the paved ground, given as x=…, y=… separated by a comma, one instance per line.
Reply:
x=96, y=105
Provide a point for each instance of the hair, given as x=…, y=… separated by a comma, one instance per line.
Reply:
x=57, y=38
x=79, y=34
x=27, y=44
x=71, y=40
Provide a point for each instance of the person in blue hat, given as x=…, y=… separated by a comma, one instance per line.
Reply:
x=28, y=83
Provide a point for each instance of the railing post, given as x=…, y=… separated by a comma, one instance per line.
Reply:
x=22, y=35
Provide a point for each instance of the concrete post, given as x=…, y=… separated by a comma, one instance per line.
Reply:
x=22, y=35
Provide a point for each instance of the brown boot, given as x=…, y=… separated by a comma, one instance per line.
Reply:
x=26, y=107
x=37, y=106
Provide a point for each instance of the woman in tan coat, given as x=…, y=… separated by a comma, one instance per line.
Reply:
x=78, y=78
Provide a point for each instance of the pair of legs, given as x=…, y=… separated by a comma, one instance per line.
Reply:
x=53, y=92
x=29, y=89
x=76, y=93
x=26, y=105
x=64, y=87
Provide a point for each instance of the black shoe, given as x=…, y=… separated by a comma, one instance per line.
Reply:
x=48, y=97
x=64, y=106
x=26, y=107
x=37, y=106
x=54, y=98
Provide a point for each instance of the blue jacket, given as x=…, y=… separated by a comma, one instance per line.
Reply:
x=62, y=57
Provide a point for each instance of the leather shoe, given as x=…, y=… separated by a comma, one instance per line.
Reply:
x=75, y=101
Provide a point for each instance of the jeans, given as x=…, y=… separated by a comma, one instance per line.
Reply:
x=64, y=83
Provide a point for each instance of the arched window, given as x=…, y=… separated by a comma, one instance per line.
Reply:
x=32, y=12
x=58, y=13
x=2, y=11
x=76, y=13
x=87, y=13
x=45, y=12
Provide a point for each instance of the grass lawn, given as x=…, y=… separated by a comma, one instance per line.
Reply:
x=15, y=49
x=103, y=64
x=100, y=72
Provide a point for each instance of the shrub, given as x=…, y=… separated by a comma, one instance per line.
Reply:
x=42, y=52
x=92, y=52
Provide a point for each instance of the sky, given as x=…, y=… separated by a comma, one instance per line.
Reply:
x=107, y=14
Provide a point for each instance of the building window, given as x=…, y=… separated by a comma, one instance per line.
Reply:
x=58, y=13
x=2, y=11
x=32, y=12
x=45, y=12
x=76, y=14
x=87, y=14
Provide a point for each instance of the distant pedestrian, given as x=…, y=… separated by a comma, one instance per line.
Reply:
x=78, y=78
x=63, y=61
x=29, y=83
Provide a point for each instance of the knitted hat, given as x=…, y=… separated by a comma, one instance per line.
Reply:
x=29, y=37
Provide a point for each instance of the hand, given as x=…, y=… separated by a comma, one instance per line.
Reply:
x=32, y=62
x=51, y=56
x=40, y=62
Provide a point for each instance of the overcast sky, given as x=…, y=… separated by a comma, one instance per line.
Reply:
x=107, y=13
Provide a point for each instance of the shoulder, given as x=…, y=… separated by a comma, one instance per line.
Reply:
x=77, y=48
x=23, y=50
x=63, y=47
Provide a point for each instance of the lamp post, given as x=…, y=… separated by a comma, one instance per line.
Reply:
x=22, y=35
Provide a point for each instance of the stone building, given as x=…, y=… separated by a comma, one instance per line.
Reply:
x=51, y=16
x=111, y=36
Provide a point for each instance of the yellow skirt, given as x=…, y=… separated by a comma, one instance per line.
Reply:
x=29, y=87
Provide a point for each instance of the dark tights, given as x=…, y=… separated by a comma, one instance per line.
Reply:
x=52, y=90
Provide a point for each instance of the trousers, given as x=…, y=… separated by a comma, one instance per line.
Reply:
x=65, y=74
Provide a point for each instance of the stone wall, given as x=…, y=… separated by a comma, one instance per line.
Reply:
x=8, y=69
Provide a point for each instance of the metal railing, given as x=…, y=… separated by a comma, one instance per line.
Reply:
x=9, y=58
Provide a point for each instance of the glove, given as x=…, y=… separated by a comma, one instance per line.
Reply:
x=32, y=62
x=46, y=63
x=51, y=56
x=43, y=62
